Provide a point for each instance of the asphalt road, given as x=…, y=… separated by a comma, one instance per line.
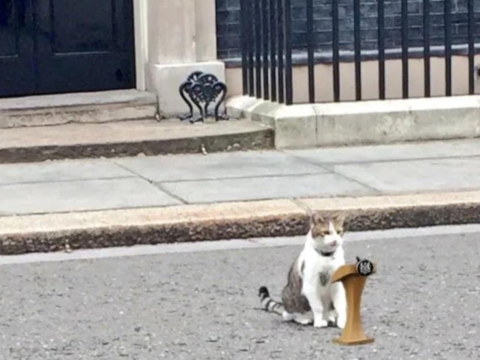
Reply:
x=424, y=303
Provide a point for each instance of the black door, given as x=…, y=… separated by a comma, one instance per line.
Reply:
x=17, y=73
x=59, y=46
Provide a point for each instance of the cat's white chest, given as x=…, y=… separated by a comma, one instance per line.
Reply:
x=322, y=267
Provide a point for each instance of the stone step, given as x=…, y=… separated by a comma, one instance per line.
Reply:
x=94, y=107
x=130, y=138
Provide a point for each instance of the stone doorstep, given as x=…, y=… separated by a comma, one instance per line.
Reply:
x=93, y=107
x=363, y=123
x=130, y=138
x=240, y=220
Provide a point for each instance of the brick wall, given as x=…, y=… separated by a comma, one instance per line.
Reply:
x=228, y=24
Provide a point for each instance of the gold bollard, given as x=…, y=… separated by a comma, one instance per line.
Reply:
x=354, y=277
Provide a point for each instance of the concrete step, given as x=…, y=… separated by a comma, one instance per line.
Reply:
x=130, y=138
x=95, y=107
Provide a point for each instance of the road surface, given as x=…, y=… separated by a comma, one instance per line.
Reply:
x=424, y=303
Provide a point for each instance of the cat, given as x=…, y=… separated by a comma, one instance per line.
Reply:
x=309, y=297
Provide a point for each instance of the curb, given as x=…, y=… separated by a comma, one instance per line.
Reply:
x=240, y=220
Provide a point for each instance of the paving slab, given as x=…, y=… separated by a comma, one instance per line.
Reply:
x=414, y=176
x=409, y=151
x=60, y=171
x=219, y=166
x=323, y=185
x=85, y=195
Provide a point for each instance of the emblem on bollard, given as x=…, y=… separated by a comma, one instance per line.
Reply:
x=364, y=267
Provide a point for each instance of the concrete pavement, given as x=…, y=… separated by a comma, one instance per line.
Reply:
x=271, y=193
x=422, y=304
x=82, y=185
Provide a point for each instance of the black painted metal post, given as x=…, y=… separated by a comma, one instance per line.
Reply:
x=288, y=54
x=426, y=46
x=310, y=47
x=248, y=29
x=258, y=49
x=358, y=47
x=281, y=53
x=471, y=48
x=266, y=69
x=273, y=40
x=244, y=40
x=381, y=48
x=448, y=46
x=405, y=73
x=335, y=52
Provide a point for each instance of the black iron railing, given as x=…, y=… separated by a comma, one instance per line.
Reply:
x=268, y=52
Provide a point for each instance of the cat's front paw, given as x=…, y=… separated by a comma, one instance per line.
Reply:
x=321, y=323
x=332, y=316
x=303, y=321
x=341, y=322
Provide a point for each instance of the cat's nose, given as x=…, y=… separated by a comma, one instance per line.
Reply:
x=334, y=243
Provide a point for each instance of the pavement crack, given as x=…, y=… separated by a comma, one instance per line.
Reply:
x=375, y=190
x=332, y=170
x=157, y=185
x=169, y=193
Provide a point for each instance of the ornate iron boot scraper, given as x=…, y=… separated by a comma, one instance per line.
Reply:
x=202, y=90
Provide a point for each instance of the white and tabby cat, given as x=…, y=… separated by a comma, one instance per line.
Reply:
x=309, y=297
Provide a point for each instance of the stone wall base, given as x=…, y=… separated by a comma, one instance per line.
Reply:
x=365, y=122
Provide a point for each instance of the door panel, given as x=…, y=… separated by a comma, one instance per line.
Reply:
x=9, y=28
x=85, y=45
x=58, y=46
x=17, y=75
x=78, y=29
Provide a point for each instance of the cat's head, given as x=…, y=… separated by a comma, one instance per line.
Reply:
x=327, y=232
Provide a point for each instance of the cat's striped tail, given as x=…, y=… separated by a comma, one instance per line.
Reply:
x=268, y=304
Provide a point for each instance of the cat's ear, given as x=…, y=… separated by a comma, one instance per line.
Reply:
x=317, y=219
x=339, y=218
